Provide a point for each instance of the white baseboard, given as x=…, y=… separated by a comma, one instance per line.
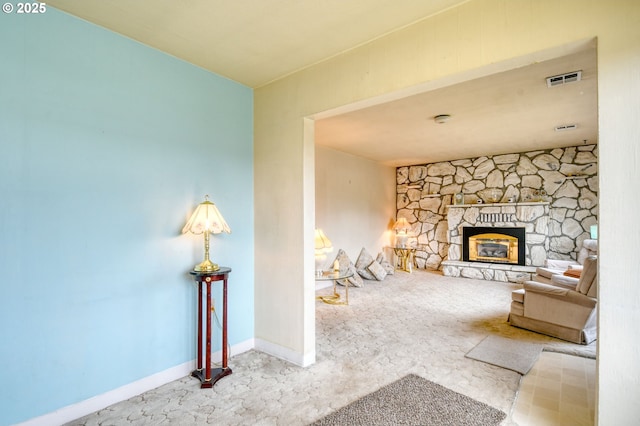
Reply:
x=98, y=402
x=236, y=349
x=302, y=360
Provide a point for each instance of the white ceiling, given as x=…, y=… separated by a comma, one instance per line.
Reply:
x=511, y=111
x=255, y=42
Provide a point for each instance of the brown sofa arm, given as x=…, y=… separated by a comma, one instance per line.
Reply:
x=559, y=293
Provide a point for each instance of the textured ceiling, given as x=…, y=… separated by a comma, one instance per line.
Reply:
x=255, y=42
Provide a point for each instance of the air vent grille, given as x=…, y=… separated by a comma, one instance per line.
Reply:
x=559, y=80
x=566, y=127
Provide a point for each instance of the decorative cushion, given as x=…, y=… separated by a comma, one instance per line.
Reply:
x=382, y=260
x=346, y=265
x=575, y=273
x=377, y=270
x=343, y=260
x=364, y=260
x=355, y=280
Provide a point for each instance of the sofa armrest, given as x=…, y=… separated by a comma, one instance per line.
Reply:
x=559, y=293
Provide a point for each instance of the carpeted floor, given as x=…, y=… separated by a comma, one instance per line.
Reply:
x=420, y=323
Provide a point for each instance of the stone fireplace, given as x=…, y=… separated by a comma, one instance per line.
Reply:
x=568, y=176
x=499, y=241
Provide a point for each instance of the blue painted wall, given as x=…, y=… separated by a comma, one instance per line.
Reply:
x=106, y=147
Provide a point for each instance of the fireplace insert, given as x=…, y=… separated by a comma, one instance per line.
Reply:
x=493, y=245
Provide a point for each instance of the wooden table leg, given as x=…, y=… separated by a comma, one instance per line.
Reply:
x=224, y=324
x=200, y=325
x=198, y=370
x=207, y=368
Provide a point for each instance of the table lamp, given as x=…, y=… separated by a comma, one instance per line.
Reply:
x=206, y=219
x=322, y=247
x=401, y=227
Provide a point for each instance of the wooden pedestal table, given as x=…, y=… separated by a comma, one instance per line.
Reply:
x=335, y=299
x=208, y=376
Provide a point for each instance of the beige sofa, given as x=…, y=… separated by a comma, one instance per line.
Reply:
x=569, y=314
x=552, y=271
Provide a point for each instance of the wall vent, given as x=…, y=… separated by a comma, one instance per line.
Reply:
x=559, y=80
x=566, y=127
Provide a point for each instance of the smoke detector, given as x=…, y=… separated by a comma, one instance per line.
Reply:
x=559, y=80
x=442, y=118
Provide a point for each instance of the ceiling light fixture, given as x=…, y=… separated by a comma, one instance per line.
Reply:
x=442, y=118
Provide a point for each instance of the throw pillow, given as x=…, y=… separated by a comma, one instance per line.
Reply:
x=343, y=260
x=574, y=273
x=364, y=260
x=377, y=270
x=382, y=260
x=355, y=279
x=346, y=265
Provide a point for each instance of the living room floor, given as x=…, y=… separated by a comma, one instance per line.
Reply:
x=420, y=323
x=560, y=389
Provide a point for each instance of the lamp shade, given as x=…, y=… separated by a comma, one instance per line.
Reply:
x=206, y=218
x=402, y=225
x=322, y=242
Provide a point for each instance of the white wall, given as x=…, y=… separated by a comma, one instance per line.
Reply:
x=619, y=228
x=355, y=202
x=462, y=42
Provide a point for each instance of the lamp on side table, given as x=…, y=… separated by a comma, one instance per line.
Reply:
x=206, y=219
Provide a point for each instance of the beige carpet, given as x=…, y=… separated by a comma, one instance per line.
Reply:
x=420, y=323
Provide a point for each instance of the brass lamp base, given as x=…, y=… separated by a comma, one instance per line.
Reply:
x=206, y=266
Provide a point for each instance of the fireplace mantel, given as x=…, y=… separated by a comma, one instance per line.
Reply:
x=526, y=203
x=533, y=216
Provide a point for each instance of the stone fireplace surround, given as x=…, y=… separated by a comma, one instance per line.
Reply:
x=568, y=176
x=533, y=216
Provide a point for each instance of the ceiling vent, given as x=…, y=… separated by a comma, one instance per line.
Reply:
x=559, y=80
x=566, y=127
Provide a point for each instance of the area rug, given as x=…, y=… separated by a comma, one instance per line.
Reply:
x=413, y=400
x=511, y=354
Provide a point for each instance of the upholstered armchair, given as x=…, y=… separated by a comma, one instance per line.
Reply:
x=559, y=311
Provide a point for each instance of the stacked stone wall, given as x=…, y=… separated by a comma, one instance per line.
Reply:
x=566, y=178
